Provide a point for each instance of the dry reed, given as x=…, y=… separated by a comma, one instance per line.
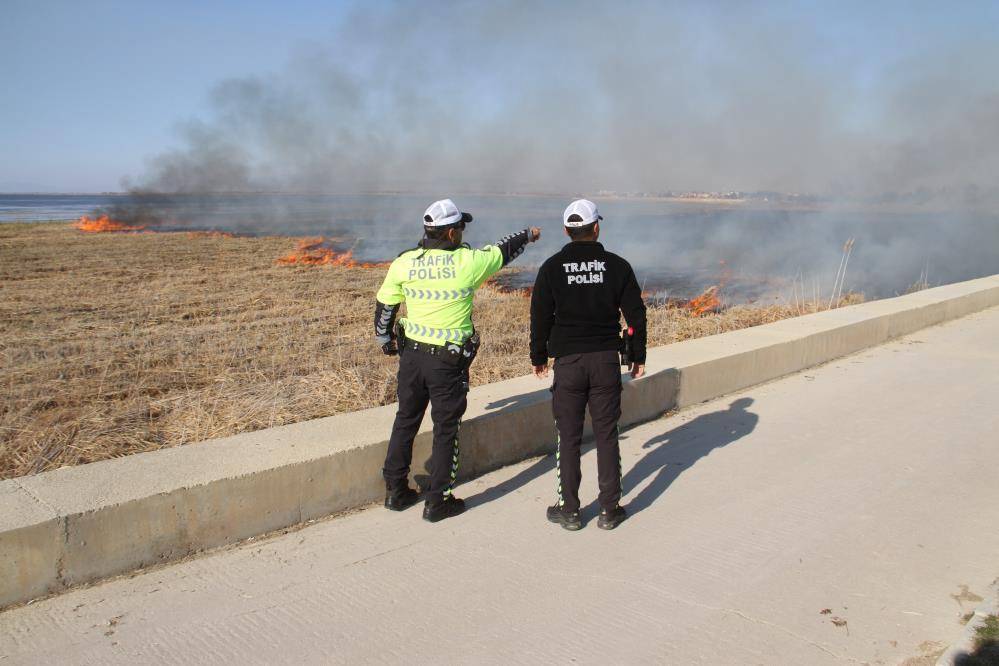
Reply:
x=112, y=344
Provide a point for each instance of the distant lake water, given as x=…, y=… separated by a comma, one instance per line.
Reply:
x=35, y=207
x=676, y=248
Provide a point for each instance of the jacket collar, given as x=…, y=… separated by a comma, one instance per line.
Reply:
x=437, y=244
x=582, y=244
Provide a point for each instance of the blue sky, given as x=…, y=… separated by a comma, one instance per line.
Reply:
x=93, y=90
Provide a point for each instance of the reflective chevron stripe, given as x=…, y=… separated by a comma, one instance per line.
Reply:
x=558, y=467
x=438, y=294
x=442, y=334
x=454, y=464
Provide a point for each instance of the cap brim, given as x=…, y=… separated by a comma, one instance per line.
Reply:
x=466, y=218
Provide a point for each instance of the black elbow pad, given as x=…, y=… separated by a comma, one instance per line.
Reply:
x=384, y=321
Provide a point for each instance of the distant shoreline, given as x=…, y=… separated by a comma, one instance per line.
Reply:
x=715, y=203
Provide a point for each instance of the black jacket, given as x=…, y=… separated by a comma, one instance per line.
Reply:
x=578, y=297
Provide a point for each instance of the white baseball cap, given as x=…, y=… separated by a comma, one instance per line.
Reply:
x=585, y=209
x=444, y=213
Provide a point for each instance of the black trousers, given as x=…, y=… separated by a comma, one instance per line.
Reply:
x=593, y=378
x=424, y=378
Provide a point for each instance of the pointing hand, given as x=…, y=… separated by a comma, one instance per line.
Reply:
x=533, y=234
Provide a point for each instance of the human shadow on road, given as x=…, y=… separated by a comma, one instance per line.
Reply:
x=678, y=449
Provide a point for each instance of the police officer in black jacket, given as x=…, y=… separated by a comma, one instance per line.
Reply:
x=578, y=298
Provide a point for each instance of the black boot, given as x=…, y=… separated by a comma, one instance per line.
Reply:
x=569, y=520
x=611, y=518
x=401, y=497
x=450, y=506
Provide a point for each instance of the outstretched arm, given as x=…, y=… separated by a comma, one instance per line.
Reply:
x=512, y=245
x=491, y=258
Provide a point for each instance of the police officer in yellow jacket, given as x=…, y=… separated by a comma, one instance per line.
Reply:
x=436, y=342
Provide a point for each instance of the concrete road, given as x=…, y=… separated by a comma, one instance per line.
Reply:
x=843, y=515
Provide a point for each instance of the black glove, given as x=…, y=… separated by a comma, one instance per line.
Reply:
x=390, y=348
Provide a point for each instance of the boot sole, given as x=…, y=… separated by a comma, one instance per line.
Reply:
x=401, y=507
x=610, y=525
x=450, y=514
x=572, y=527
x=396, y=507
x=438, y=519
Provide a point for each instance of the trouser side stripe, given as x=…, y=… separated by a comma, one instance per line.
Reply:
x=620, y=466
x=454, y=464
x=558, y=467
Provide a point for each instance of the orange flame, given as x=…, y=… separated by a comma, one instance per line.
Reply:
x=104, y=224
x=706, y=302
x=316, y=252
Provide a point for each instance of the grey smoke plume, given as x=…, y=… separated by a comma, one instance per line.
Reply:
x=508, y=96
x=579, y=97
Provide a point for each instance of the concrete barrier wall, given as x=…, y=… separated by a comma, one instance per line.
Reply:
x=80, y=524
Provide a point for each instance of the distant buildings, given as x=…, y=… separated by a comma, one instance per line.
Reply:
x=729, y=195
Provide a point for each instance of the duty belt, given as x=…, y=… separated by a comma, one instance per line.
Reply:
x=424, y=348
x=460, y=355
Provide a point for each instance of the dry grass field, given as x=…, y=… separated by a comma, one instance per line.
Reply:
x=112, y=344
